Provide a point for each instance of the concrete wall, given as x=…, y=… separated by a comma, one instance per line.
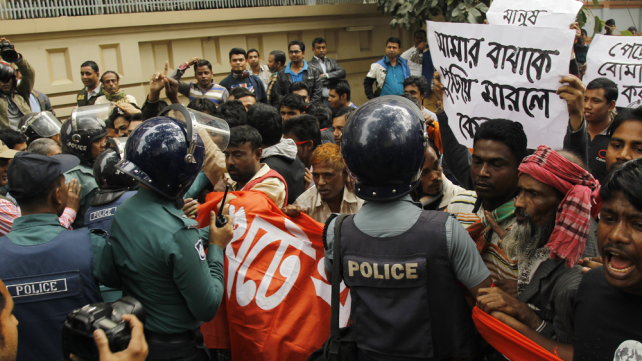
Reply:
x=137, y=45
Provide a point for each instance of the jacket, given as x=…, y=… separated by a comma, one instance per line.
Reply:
x=282, y=157
x=83, y=98
x=333, y=70
x=378, y=73
x=20, y=94
x=310, y=77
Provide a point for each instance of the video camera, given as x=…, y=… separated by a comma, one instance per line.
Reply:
x=7, y=52
x=77, y=332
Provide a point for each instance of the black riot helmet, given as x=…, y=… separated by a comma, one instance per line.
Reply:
x=384, y=148
x=85, y=126
x=105, y=172
x=39, y=125
x=8, y=74
x=165, y=154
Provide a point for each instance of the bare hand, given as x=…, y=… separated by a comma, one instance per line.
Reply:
x=508, y=286
x=501, y=232
x=573, y=93
x=127, y=108
x=220, y=186
x=190, y=207
x=439, y=90
x=171, y=89
x=221, y=236
x=494, y=299
x=428, y=119
x=582, y=70
x=73, y=198
x=578, y=32
x=193, y=61
x=156, y=84
x=137, y=349
x=293, y=210
x=422, y=46
x=307, y=179
x=589, y=263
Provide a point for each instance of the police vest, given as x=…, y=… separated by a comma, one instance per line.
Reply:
x=99, y=217
x=47, y=282
x=405, y=299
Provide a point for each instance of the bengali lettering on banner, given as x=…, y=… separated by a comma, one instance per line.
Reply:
x=540, y=13
x=491, y=72
x=277, y=299
x=618, y=58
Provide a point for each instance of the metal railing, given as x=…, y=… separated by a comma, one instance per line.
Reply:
x=32, y=9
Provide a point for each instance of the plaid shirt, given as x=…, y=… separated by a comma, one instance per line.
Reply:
x=9, y=212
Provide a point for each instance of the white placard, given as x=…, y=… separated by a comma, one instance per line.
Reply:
x=618, y=58
x=538, y=13
x=489, y=72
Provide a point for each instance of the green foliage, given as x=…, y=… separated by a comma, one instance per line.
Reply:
x=413, y=13
x=585, y=14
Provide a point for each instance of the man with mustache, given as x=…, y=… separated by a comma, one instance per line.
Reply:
x=555, y=210
x=435, y=190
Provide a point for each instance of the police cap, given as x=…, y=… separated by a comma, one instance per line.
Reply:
x=31, y=173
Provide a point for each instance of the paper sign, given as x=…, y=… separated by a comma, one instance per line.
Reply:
x=489, y=72
x=618, y=58
x=540, y=13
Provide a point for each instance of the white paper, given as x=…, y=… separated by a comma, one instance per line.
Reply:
x=618, y=58
x=534, y=13
x=520, y=84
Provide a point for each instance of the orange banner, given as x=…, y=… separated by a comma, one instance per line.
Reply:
x=277, y=299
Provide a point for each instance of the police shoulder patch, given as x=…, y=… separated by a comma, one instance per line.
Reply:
x=81, y=97
x=199, y=248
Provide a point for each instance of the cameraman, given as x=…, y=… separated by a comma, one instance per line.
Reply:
x=14, y=97
x=136, y=350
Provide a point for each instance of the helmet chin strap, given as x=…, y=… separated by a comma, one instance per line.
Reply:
x=192, y=130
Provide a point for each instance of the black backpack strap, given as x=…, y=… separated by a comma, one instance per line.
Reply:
x=336, y=282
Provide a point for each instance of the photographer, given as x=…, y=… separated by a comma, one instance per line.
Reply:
x=14, y=97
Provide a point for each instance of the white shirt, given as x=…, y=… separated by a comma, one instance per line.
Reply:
x=326, y=91
x=415, y=69
x=94, y=92
x=319, y=209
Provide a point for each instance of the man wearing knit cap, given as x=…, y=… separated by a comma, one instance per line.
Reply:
x=555, y=210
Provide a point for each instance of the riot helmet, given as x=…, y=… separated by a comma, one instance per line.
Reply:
x=165, y=154
x=105, y=172
x=8, y=74
x=85, y=126
x=39, y=125
x=218, y=129
x=384, y=148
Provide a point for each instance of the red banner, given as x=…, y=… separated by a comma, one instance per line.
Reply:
x=277, y=299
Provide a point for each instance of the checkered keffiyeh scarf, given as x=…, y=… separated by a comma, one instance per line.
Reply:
x=580, y=203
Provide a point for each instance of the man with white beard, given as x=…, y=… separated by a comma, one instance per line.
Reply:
x=555, y=210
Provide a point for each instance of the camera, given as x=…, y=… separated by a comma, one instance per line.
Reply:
x=79, y=327
x=7, y=52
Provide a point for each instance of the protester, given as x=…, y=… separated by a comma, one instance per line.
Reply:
x=38, y=250
x=304, y=131
x=625, y=138
x=389, y=72
x=297, y=70
x=178, y=285
x=389, y=228
x=339, y=121
x=234, y=113
x=205, y=87
x=331, y=192
x=414, y=56
x=14, y=97
x=13, y=139
x=256, y=68
x=113, y=94
x=300, y=88
x=44, y=146
x=435, y=191
x=329, y=70
x=609, y=27
x=276, y=63
x=291, y=105
x=323, y=113
x=121, y=122
x=339, y=94
x=240, y=77
x=93, y=87
x=581, y=48
x=244, y=95
x=417, y=86
x=633, y=30
x=40, y=125
x=245, y=170
x=205, y=106
x=279, y=153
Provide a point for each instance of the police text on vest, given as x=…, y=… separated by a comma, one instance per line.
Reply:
x=38, y=288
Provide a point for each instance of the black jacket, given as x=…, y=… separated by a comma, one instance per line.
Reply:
x=310, y=77
x=333, y=69
x=292, y=170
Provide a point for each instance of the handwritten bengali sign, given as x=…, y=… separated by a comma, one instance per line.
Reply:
x=618, y=58
x=540, y=13
x=489, y=73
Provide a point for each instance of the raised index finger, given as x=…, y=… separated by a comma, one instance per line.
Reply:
x=166, y=68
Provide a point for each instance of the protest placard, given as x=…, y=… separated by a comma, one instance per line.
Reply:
x=540, y=13
x=618, y=58
x=488, y=72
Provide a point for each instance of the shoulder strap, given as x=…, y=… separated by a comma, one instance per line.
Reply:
x=270, y=174
x=336, y=278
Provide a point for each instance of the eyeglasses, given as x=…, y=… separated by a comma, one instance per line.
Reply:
x=294, y=51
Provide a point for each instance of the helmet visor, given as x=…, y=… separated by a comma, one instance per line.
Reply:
x=118, y=145
x=45, y=124
x=217, y=128
x=90, y=117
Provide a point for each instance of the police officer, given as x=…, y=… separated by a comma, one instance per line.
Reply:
x=40, y=125
x=401, y=263
x=84, y=135
x=115, y=187
x=160, y=254
x=49, y=271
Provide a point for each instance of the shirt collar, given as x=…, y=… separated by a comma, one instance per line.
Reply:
x=320, y=59
x=348, y=197
x=95, y=91
x=288, y=70
x=35, y=220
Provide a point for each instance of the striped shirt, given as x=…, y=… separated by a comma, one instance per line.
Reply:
x=499, y=265
x=216, y=93
x=9, y=212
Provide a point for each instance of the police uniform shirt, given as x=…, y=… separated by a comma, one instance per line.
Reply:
x=160, y=258
x=84, y=172
x=389, y=219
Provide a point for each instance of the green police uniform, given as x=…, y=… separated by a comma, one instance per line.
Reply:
x=160, y=258
x=84, y=172
x=199, y=184
x=35, y=229
x=83, y=98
